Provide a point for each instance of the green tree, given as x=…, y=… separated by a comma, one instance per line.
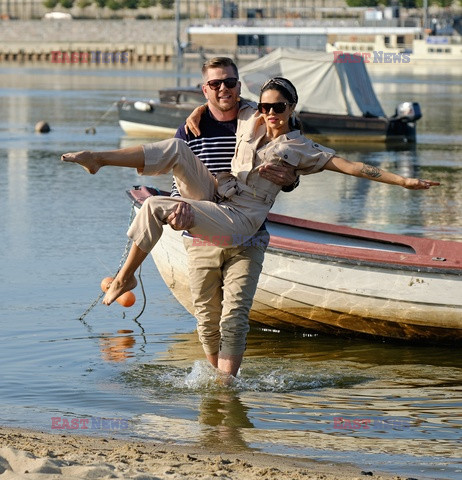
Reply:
x=168, y=4
x=130, y=4
x=150, y=3
x=50, y=4
x=84, y=3
x=363, y=3
x=419, y=3
x=67, y=3
x=113, y=5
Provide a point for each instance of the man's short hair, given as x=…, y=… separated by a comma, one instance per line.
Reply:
x=219, y=62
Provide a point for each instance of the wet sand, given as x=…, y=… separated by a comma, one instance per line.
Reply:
x=33, y=455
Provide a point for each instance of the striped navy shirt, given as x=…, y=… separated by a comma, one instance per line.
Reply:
x=215, y=146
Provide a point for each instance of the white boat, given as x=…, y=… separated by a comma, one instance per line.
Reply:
x=343, y=281
x=431, y=51
x=437, y=50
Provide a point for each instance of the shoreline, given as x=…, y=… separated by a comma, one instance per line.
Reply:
x=38, y=455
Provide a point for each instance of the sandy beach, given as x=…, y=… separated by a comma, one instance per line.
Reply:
x=33, y=455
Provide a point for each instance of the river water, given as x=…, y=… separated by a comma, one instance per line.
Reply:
x=62, y=231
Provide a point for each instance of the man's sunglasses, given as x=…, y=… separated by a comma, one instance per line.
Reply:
x=216, y=84
x=278, y=107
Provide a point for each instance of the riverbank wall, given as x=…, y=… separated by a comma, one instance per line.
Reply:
x=84, y=41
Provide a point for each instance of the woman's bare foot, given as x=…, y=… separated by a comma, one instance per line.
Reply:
x=118, y=287
x=87, y=160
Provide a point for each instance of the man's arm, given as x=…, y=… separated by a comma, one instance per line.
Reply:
x=280, y=175
x=183, y=216
x=192, y=122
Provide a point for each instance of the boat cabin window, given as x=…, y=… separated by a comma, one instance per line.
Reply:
x=191, y=98
x=178, y=97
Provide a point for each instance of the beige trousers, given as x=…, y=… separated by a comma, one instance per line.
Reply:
x=197, y=186
x=223, y=282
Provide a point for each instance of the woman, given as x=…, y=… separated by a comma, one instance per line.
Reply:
x=234, y=204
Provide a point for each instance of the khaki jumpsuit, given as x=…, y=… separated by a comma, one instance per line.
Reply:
x=231, y=207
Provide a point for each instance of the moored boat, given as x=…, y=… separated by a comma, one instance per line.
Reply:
x=160, y=117
x=343, y=281
x=336, y=100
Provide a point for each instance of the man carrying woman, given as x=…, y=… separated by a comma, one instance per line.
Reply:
x=232, y=204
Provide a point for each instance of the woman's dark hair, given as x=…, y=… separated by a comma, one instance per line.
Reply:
x=282, y=85
x=288, y=90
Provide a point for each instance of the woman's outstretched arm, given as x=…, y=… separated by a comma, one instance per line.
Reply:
x=131, y=157
x=370, y=172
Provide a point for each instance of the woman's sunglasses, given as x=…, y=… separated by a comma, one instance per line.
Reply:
x=278, y=107
x=216, y=84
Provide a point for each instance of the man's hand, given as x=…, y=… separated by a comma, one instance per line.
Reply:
x=182, y=218
x=279, y=174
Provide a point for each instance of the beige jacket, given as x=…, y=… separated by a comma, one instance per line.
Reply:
x=293, y=148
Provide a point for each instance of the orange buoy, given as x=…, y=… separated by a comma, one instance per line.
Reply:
x=127, y=299
x=105, y=283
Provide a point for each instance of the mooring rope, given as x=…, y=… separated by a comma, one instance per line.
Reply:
x=92, y=129
x=122, y=261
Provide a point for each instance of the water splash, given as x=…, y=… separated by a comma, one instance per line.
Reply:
x=259, y=375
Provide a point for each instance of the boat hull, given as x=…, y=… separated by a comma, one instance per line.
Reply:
x=347, y=128
x=160, y=120
x=163, y=119
x=347, y=297
x=343, y=281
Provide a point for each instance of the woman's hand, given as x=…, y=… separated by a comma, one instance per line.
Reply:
x=419, y=184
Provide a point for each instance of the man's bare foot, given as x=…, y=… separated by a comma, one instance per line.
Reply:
x=87, y=160
x=118, y=287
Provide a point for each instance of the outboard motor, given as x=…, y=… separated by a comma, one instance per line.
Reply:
x=408, y=112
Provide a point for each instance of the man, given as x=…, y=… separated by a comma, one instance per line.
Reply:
x=223, y=281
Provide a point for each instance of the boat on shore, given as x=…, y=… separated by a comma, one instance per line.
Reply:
x=337, y=102
x=339, y=280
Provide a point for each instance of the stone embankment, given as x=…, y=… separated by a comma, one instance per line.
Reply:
x=87, y=41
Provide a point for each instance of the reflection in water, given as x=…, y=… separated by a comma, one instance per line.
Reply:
x=301, y=347
x=225, y=413
x=117, y=349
